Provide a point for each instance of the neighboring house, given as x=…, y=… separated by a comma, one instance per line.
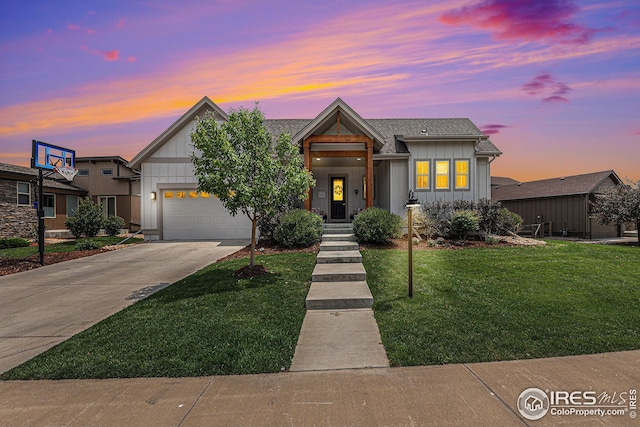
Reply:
x=497, y=181
x=18, y=195
x=113, y=184
x=565, y=202
x=357, y=163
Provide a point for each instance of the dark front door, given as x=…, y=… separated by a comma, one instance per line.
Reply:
x=338, y=201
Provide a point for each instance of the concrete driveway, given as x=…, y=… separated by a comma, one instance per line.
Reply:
x=43, y=307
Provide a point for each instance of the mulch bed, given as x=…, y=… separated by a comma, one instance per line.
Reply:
x=16, y=265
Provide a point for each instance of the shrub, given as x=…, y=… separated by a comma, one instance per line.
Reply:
x=508, y=222
x=464, y=222
x=87, y=220
x=87, y=245
x=424, y=225
x=112, y=225
x=14, y=242
x=298, y=228
x=440, y=213
x=375, y=225
x=489, y=214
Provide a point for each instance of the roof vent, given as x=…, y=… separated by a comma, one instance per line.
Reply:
x=563, y=178
x=424, y=132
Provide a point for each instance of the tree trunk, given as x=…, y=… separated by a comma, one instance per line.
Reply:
x=638, y=229
x=254, y=223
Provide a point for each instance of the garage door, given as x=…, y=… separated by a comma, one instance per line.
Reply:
x=193, y=215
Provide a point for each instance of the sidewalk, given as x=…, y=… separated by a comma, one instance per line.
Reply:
x=479, y=394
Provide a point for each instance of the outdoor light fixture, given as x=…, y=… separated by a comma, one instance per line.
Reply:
x=356, y=191
x=318, y=158
x=153, y=195
x=411, y=203
x=359, y=158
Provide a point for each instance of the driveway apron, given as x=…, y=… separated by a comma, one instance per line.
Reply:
x=45, y=306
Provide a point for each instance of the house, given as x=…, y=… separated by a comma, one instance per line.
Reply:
x=498, y=181
x=357, y=163
x=113, y=184
x=565, y=202
x=18, y=196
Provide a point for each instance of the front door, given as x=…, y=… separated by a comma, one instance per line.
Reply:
x=338, y=200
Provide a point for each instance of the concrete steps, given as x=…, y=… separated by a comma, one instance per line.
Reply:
x=339, y=330
x=339, y=272
x=335, y=257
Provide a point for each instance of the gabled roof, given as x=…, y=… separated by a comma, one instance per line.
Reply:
x=203, y=106
x=29, y=173
x=389, y=135
x=348, y=114
x=563, y=186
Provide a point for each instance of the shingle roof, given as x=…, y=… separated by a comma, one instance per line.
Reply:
x=392, y=128
x=564, y=186
x=502, y=180
x=50, y=182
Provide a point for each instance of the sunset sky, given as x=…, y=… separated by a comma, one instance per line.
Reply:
x=556, y=83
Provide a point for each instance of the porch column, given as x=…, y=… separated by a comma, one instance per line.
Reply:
x=306, y=147
x=369, y=173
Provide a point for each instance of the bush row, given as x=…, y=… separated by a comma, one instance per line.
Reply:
x=443, y=219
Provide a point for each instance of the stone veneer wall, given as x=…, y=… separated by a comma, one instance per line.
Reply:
x=15, y=221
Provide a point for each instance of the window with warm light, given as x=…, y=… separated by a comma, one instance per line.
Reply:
x=181, y=194
x=442, y=174
x=205, y=195
x=338, y=190
x=168, y=194
x=462, y=174
x=422, y=175
x=193, y=194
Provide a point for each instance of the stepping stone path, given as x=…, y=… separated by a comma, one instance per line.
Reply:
x=339, y=330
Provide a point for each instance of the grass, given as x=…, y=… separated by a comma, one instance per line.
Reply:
x=210, y=323
x=67, y=246
x=489, y=304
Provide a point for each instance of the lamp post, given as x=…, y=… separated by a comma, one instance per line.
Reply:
x=411, y=203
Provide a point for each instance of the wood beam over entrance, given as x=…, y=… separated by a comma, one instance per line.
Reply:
x=344, y=139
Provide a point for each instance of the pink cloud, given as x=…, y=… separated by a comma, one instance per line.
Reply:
x=555, y=99
x=73, y=27
x=529, y=20
x=111, y=55
x=121, y=23
x=545, y=84
x=131, y=59
x=492, y=129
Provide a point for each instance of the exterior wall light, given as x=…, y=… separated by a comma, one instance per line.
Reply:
x=153, y=195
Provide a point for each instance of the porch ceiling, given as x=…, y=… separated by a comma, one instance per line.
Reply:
x=343, y=162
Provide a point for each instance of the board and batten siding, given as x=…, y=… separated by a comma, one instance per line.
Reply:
x=399, y=186
x=168, y=167
x=479, y=179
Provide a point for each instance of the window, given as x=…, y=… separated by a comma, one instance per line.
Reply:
x=181, y=194
x=193, y=194
x=72, y=206
x=108, y=204
x=83, y=172
x=106, y=172
x=49, y=205
x=338, y=190
x=205, y=195
x=422, y=175
x=24, y=193
x=462, y=174
x=442, y=174
x=168, y=194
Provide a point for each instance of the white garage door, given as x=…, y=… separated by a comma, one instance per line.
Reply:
x=192, y=215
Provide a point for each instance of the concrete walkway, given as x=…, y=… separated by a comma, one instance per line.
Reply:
x=339, y=330
x=478, y=394
x=45, y=306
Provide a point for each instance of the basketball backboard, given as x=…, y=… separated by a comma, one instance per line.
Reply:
x=49, y=157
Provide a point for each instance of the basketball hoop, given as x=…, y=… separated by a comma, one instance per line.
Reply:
x=67, y=172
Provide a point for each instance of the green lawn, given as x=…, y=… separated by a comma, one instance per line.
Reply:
x=504, y=303
x=68, y=246
x=209, y=323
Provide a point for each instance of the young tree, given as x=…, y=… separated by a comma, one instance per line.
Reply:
x=618, y=205
x=238, y=161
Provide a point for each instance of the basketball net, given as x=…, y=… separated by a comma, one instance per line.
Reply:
x=67, y=172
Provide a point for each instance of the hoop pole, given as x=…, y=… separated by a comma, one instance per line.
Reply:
x=41, y=216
